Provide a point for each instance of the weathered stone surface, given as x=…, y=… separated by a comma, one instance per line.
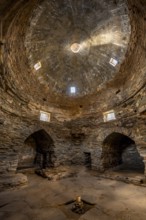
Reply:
x=29, y=35
x=56, y=173
x=12, y=181
x=44, y=199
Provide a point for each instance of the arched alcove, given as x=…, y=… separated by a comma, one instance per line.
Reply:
x=119, y=152
x=38, y=151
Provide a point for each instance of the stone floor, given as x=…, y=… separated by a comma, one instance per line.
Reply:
x=45, y=200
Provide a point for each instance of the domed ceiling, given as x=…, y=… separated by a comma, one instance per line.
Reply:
x=76, y=46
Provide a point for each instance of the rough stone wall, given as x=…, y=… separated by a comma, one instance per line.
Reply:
x=14, y=132
x=80, y=129
x=27, y=155
x=95, y=131
x=132, y=159
x=85, y=135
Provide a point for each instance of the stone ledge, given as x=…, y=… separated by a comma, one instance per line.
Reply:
x=137, y=180
x=54, y=174
x=11, y=181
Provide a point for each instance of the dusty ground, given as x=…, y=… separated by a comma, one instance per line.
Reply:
x=44, y=200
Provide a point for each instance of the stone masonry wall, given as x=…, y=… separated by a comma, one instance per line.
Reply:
x=81, y=129
x=72, y=138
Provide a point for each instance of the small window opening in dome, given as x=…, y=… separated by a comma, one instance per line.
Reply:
x=113, y=62
x=73, y=90
x=45, y=116
x=109, y=116
x=75, y=48
x=37, y=66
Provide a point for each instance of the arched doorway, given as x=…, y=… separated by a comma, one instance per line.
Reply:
x=119, y=152
x=38, y=151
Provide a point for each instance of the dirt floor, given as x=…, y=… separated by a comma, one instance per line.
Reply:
x=45, y=200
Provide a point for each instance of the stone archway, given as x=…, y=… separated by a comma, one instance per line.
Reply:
x=38, y=151
x=119, y=152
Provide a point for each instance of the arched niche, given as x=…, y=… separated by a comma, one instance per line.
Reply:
x=38, y=151
x=119, y=152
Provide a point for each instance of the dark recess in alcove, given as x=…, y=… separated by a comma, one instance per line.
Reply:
x=87, y=162
x=119, y=152
x=38, y=151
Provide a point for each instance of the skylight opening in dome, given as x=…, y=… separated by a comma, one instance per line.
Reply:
x=75, y=48
x=72, y=89
x=113, y=62
x=45, y=116
x=37, y=66
x=109, y=116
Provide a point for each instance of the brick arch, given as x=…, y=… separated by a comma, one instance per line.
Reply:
x=119, y=130
x=43, y=140
x=33, y=129
x=37, y=151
